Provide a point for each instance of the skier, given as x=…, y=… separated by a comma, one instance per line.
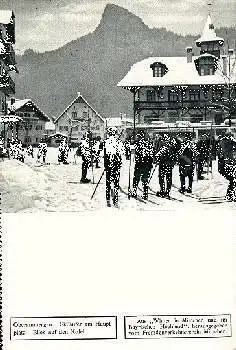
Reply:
x=166, y=158
x=144, y=152
x=226, y=163
x=85, y=152
x=113, y=152
x=186, y=159
x=203, y=148
x=42, y=151
x=63, y=152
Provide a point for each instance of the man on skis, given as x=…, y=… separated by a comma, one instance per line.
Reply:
x=144, y=152
x=113, y=153
x=226, y=163
x=86, y=158
x=186, y=160
x=166, y=158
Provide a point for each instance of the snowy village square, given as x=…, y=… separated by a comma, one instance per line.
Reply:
x=125, y=116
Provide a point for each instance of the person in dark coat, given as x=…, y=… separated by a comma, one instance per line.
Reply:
x=85, y=152
x=144, y=153
x=166, y=158
x=226, y=163
x=203, y=148
x=186, y=159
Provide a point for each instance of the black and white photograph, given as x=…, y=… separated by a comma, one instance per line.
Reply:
x=118, y=174
x=104, y=105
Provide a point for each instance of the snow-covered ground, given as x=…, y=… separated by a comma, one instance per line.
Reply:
x=56, y=188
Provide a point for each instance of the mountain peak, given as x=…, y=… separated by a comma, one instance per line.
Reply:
x=115, y=17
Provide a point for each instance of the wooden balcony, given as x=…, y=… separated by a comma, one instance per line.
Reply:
x=170, y=105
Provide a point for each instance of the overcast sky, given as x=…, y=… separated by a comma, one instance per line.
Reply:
x=47, y=24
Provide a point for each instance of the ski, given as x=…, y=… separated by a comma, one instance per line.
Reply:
x=211, y=197
x=139, y=199
x=153, y=193
x=213, y=202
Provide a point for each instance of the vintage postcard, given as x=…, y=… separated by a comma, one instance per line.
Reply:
x=118, y=174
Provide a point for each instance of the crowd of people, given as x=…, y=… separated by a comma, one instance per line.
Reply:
x=162, y=152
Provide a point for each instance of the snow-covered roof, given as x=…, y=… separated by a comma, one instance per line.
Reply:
x=79, y=96
x=6, y=16
x=10, y=119
x=180, y=72
x=209, y=33
x=20, y=103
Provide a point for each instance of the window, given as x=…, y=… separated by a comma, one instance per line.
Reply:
x=196, y=118
x=74, y=115
x=27, y=115
x=27, y=139
x=66, y=128
x=97, y=127
x=39, y=127
x=150, y=95
x=60, y=127
x=206, y=65
x=217, y=94
x=194, y=95
x=173, y=96
x=218, y=119
x=158, y=69
x=85, y=114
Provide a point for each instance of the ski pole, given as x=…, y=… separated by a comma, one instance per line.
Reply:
x=129, y=190
x=98, y=184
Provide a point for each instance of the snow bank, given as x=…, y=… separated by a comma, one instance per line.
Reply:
x=19, y=185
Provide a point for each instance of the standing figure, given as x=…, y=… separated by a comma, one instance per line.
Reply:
x=144, y=152
x=63, y=152
x=86, y=159
x=127, y=149
x=226, y=163
x=113, y=151
x=19, y=152
x=203, y=148
x=97, y=150
x=30, y=151
x=42, y=151
x=166, y=157
x=186, y=159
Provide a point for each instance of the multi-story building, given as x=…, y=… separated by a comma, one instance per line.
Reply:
x=78, y=118
x=193, y=93
x=33, y=125
x=7, y=62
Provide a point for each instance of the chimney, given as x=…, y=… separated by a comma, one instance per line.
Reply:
x=78, y=94
x=224, y=59
x=13, y=101
x=189, y=51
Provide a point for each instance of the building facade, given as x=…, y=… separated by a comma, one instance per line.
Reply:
x=189, y=92
x=7, y=63
x=79, y=118
x=33, y=126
